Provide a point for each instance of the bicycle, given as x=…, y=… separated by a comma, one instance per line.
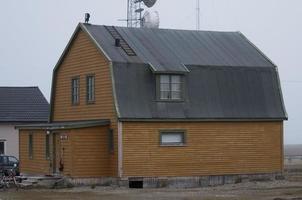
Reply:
x=8, y=177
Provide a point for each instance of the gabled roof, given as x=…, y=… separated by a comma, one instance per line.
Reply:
x=226, y=76
x=22, y=104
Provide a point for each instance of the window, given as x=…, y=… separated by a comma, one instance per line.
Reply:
x=30, y=146
x=172, y=138
x=110, y=141
x=2, y=147
x=47, y=146
x=75, y=90
x=170, y=87
x=90, y=89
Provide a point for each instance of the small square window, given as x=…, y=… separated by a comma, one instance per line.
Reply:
x=172, y=138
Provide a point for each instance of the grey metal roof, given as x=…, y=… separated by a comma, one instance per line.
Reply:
x=226, y=76
x=212, y=93
x=65, y=125
x=168, y=50
x=23, y=104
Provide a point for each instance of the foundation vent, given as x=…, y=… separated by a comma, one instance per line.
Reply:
x=136, y=183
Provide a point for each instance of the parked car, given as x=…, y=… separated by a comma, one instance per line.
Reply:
x=9, y=163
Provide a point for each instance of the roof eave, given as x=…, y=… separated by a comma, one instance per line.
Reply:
x=155, y=71
x=64, y=126
x=200, y=119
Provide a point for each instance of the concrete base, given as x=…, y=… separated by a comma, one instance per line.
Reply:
x=104, y=181
x=162, y=182
x=201, y=181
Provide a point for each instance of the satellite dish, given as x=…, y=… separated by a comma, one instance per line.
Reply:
x=149, y=3
x=150, y=19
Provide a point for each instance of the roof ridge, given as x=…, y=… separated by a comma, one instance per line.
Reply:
x=173, y=29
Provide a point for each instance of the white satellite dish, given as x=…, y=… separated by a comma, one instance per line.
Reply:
x=149, y=3
x=150, y=19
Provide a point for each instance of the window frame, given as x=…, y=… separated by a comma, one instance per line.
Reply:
x=110, y=140
x=90, y=101
x=73, y=102
x=30, y=145
x=173, y=131
x=182, y=88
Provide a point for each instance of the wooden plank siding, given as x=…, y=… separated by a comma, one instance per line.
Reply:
x=38, y=164
x=212, y=148
x=82, y=59
x=84, y=153
x=90, y=152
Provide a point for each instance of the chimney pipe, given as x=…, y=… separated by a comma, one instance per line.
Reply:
x=117, y=42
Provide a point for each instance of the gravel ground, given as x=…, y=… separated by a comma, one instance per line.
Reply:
x=277, y=190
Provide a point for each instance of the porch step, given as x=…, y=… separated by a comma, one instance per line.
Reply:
x=25, y=185
x=39, y=181
x=30, y=181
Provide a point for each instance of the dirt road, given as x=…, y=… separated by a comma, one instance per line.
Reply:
x=279, y=190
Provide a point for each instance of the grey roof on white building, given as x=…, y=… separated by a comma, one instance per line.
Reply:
x=23, y=104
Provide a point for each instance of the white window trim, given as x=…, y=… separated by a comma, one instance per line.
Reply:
x=182, y=132
x=182, y=88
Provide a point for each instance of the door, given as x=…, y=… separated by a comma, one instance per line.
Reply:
x=56, y=153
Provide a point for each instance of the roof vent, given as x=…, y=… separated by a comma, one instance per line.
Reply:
x=122, y=43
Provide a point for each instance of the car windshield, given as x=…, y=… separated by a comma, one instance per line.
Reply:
x=12, y=159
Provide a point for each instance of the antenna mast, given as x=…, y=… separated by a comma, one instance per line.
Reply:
x=135, y=16
x=197, y=15
x=134, y=13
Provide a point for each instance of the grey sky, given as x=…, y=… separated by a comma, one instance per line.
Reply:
x=34, y=33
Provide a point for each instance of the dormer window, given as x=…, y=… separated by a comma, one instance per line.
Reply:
x=170, y=87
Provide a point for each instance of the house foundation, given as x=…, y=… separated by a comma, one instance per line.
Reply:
x=200, y=181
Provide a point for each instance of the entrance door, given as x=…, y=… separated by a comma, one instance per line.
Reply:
x=56, y=153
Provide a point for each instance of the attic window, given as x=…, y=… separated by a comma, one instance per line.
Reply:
x=170, y=87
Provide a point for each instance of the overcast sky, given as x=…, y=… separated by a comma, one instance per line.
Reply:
x=34, y=33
